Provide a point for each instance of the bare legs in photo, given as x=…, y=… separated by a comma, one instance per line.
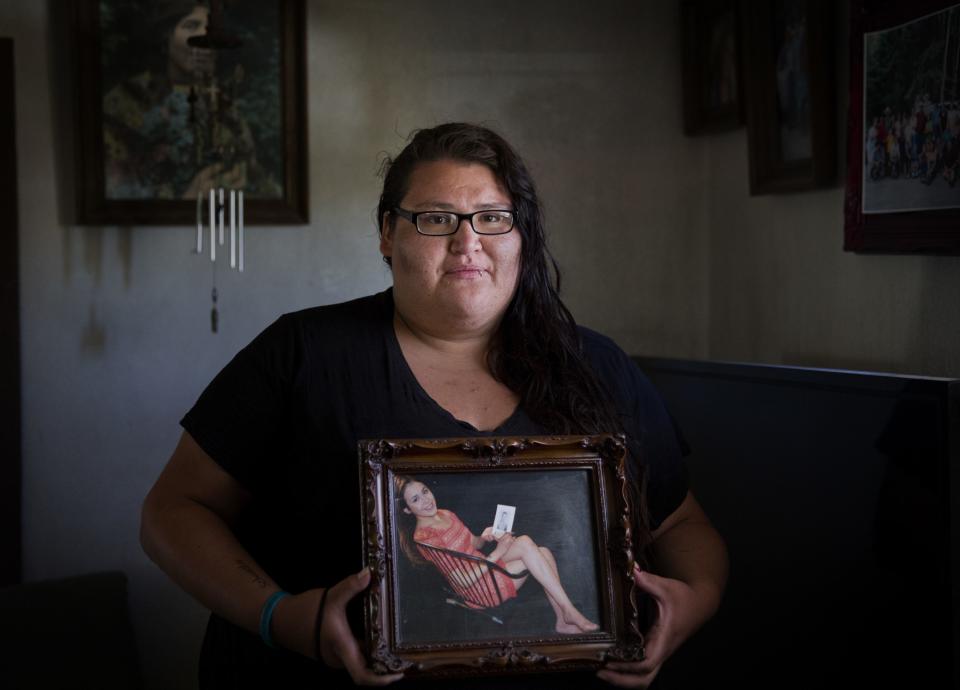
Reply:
x=524, y=554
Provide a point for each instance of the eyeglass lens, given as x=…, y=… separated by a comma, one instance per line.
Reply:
x=484, y=222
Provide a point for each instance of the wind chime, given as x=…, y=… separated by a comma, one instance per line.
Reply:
x=212, y=109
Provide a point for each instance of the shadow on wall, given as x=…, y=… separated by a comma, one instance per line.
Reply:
x=935, y=344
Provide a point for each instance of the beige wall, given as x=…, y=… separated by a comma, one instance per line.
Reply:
x=661, y=245
x=783, y=291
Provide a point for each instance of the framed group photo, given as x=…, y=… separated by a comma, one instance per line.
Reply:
x=177, y=97
x=902, y=193
x=498, y=555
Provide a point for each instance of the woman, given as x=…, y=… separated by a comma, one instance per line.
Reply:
x=472, y=339
x=434, y=526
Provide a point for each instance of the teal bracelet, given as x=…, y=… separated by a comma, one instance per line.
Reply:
x=266, y=615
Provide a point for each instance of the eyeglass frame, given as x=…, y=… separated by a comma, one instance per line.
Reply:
x=413, y=215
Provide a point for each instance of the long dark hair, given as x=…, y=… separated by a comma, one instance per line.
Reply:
x=537, y=351
x=406, y=521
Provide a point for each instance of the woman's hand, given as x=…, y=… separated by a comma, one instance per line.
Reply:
x=338, y=647
x=214, y=175
x=692, y=556
x=678, y=617
x=487, y=534
x=504, y=542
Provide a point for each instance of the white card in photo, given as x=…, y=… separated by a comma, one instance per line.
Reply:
x=503, y=521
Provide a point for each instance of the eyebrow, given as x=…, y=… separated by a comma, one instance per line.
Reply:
x=444, y=206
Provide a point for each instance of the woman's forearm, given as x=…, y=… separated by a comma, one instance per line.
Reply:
x=198, y=551
x=186, y=529
x=691, y=550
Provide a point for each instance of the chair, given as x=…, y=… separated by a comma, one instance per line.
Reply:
x=69, y=633
x=472, y=579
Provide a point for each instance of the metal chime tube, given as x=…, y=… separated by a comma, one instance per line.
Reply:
x=217, y=211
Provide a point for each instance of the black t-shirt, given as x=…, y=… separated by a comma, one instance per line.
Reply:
x=284, y=418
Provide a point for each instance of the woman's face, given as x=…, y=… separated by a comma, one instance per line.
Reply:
x=185, y=60
x=419, y=499
x=459, y=280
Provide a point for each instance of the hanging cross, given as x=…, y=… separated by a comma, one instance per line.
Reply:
x=214, y=94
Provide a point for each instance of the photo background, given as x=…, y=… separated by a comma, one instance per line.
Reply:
x=554, y=508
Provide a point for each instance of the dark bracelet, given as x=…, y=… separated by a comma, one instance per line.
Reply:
x=319, y=624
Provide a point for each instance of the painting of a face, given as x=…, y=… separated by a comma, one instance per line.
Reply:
x=185, y=60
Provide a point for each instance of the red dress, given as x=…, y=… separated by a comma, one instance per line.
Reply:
x=467, y=580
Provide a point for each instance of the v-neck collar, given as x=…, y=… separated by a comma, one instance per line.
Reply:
x=396, y=354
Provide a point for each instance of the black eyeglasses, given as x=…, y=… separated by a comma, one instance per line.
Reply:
x=486, y=222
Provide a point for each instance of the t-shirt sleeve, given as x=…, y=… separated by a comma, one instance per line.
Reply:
x=653, y=437
x=240, y=415
x=661, y=447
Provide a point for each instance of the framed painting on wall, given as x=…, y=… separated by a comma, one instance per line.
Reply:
x=712, y=86
x=498, y=555
x=790, y=85
x=174, y=98
x=903, y=157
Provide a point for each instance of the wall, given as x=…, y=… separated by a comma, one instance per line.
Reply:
x=116, y=341
x=661, y=244
x=782, y=291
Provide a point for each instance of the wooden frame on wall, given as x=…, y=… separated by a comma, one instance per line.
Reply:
x=712, y=81
x=790, y=86
x=419, y=620
x=904, y=205
x=132, y=118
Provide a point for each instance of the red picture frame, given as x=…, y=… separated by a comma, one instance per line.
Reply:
x=919, y=232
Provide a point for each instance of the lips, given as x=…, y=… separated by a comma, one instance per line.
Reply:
x=469, y=271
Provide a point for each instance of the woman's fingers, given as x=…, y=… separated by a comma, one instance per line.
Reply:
x=236, y=176
x=654, y=585
x=626, y=680
x=338, y=647
x=356, y=665
x=641, y=674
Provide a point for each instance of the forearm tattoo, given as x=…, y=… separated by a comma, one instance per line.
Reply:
x=252, y=573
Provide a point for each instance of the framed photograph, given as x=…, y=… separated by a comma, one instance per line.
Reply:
x=904, y=128
x=167, y=109
x=712, y=87
x=790, y=88
x=450, y=596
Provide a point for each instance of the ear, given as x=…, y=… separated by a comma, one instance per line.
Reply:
x=387, y=228
x=407, y=511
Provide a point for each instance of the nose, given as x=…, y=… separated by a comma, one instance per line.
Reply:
x=464, y=240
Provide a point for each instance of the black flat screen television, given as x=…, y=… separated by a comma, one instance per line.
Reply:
x=838, y=494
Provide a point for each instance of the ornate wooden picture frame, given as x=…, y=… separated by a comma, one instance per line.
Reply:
x=149, y=140
x=437, y=607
